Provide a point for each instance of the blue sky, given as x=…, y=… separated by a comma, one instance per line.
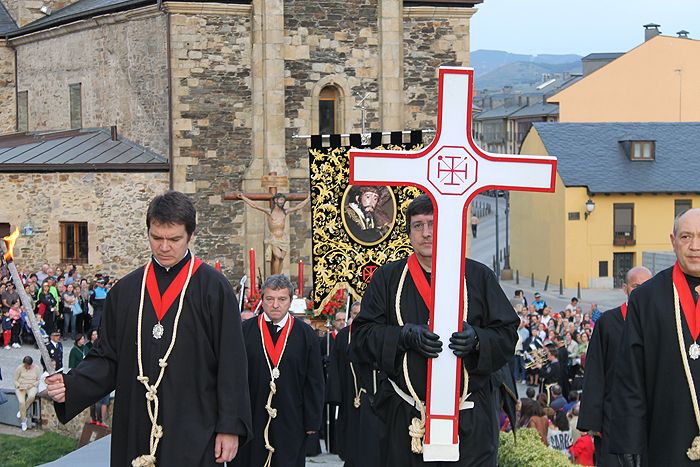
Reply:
x=576, y=26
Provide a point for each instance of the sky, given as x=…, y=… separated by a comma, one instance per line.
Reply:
x=576, y=26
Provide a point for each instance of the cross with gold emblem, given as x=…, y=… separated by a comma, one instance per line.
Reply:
x=452, y=170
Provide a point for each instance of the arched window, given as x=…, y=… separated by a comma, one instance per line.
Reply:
x=328, y=108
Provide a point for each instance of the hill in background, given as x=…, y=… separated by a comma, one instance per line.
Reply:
x=495, y=69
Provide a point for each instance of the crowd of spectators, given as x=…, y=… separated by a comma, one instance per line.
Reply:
x=63, y=301
x=551, y=359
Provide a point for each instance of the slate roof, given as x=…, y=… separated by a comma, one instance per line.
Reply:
x=536, y=110
x=499, y=112
x=76, y=150
x=591, y=155
x=7, y=24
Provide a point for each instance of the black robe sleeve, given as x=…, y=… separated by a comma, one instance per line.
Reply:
x=591, y=414
x=496, y=325
x=96, y=375
x=374, y=340
x=629, y=407
x=314, y=384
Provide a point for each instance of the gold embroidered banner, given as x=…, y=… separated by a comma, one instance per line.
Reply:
x=356, y=228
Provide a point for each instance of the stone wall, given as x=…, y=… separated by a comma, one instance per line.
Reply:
x=74, y=428
x=433, y=37
x=113, y=205
x=122, y=66
x=212, y=121
x=7, y=90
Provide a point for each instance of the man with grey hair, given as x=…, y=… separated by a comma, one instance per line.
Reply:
x=655, y=410
x=285, y=380
x=600, y=366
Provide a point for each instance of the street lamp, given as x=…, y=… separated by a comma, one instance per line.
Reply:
x=590, y=206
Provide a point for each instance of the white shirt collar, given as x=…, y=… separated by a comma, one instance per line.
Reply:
x=282, y=322
x=167, y=268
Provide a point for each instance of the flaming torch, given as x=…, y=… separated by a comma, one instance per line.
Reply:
x=8, y=246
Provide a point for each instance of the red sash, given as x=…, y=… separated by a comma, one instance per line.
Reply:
x=691, y=310
x=274, y=351
x=162, y=304
x=421, y=282
x=623, y=309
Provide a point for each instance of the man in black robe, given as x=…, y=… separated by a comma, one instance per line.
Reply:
x=285, y=350
x=203, y=405
x=653, y=421
x=485, y=344
x=596, y=400
x=351, y=385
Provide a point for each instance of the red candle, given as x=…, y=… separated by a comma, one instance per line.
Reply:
x=253, y=283
x=300, y=279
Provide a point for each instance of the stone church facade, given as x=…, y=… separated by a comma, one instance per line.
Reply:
x=219, y=89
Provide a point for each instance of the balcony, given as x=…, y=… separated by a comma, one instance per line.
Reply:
x=624, y=236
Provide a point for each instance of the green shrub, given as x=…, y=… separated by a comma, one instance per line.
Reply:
x=16, y=451
x=527, y=450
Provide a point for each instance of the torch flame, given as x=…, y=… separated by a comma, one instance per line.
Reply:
x=10, y=244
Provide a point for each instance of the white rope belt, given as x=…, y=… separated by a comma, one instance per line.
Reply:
x=463, y=405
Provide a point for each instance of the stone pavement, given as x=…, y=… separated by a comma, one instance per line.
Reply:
x=11, y=358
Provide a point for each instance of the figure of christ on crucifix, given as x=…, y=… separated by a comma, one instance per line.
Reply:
x=447, y=399
x=277, y=241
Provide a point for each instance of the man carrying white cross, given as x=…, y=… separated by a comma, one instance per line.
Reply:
x=392, y=333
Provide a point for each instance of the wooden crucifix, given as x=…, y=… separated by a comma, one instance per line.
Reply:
x=277, y=241
x=452, y=170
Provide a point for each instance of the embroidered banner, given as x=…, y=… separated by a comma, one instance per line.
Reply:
x=356, y=228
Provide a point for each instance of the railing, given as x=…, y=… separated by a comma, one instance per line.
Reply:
x=624, y=236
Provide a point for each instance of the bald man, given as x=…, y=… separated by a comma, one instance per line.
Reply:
x=653, y=413
x=595, y=411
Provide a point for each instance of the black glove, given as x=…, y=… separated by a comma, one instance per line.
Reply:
x=629, y=460
x=464, y=342
x=419, y=338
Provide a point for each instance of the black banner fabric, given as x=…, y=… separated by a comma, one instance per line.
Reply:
x=356, y=228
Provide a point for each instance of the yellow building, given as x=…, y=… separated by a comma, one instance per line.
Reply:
x=635, y=177
x=654, y=82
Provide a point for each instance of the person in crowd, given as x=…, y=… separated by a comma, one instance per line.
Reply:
x=98, y=302
x=596, y=409
x=582, y=451
x=55, y=348
x=532, y=416
x=559, y=433
x=78, y=352
x=392, y=328
x=286, y=386
x=557, y=399
x=12, y=326
x=539, y=303
x=69, y=300
x=26, y=382
x=200, y=389
x=77, y=310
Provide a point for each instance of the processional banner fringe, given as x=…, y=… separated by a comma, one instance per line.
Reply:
x=348, y=242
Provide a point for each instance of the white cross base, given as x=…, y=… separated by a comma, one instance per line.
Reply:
x=452, y=170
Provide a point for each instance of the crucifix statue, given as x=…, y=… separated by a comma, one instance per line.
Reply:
x=277, y=238
x=452, y=170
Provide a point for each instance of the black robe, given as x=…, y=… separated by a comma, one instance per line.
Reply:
x=299, y=397
x=357, y=433
x=651, y=405
x=376, y=342
x=596, y=399
x=204, y=390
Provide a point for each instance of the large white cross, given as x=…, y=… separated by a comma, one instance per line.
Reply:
x=452, y=170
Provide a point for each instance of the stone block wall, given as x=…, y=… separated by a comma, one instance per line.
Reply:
x=433, y=37
x=74, y=428
x=121, y=65
x=334, y=44
x=7, y=90
x=113, y=205
x=212, y=122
